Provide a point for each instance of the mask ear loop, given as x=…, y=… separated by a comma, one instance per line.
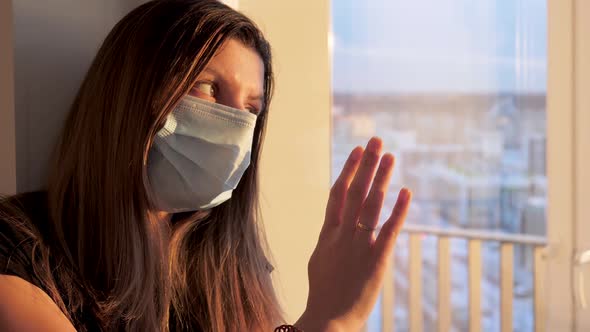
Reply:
x=146, y=154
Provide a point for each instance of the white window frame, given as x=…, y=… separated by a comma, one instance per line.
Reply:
x=568, y=171
x=581, y=140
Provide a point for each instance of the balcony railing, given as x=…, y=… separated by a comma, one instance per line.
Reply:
x=474, y=238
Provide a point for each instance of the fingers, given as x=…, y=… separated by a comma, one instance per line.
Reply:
x=372, y=207
x=362, y=181
x=340, y=187
x=388, y=234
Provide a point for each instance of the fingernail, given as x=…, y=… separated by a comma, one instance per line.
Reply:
x=374, y=144
x=387, y=160
x=356, y=153
x=405, y=194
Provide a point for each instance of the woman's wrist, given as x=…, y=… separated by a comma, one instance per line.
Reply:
x=308, y=322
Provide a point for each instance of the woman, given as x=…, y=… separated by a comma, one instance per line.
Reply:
x=150, y=219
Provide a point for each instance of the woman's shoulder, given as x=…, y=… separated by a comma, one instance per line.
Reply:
x=24, y=301
x=25, y=307
x=20, y=235
x=26, y=252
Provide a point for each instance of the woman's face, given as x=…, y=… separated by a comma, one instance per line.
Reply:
x=234, y=77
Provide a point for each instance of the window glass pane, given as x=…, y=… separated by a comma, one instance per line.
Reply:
x=456, y=89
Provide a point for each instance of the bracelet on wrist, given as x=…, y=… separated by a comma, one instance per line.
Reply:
x=287, y=328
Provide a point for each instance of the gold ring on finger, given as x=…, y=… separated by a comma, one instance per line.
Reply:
x=364, y=227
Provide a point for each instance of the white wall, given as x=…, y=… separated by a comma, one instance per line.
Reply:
x=54, y=43
x=7, y=135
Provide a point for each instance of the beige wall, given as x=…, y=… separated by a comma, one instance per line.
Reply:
x=559, y=164
x=296, y=158
x=7, y=135
x=54, y=43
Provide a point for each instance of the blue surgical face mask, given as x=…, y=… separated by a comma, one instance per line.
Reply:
x=199, y=156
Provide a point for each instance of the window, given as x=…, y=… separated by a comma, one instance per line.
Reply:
x=457, y=91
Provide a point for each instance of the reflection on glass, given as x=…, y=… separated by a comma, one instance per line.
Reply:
x=456, y=89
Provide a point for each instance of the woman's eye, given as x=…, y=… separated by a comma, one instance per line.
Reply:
x=253, y=110
x=205, y=87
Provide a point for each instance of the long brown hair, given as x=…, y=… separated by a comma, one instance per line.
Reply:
x=208, y=268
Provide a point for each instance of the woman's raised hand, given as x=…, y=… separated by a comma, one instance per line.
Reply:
x=347, y=266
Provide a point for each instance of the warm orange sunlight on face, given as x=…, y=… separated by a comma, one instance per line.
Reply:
x=234, y=78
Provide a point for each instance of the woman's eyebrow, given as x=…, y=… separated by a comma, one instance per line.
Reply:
x=211, y=71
